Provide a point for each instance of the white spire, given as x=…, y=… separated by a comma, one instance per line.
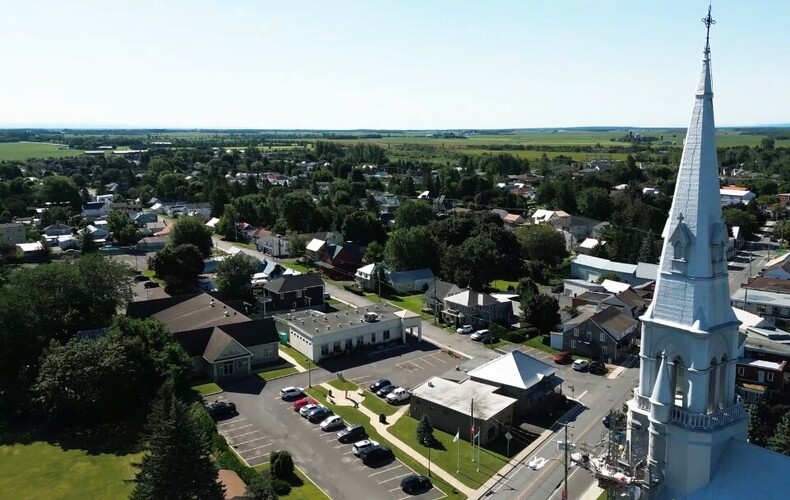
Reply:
x=692, y=283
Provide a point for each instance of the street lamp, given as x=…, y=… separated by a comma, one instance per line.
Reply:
x=309, y=382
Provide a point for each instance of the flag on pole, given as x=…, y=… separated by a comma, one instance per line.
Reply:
x=457, y=436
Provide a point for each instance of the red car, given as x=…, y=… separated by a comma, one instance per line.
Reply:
x=298, y=404
x=563, y=358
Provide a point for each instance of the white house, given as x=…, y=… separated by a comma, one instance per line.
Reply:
x=778, y=268
x=732, y=195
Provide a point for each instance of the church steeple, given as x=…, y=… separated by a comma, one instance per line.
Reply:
x=695, y=239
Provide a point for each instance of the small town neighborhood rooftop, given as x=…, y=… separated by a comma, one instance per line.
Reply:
x=514, y=369
x=458, y=397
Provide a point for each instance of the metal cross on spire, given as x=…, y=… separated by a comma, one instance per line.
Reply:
x=708, y=21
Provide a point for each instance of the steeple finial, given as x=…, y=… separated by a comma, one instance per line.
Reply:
x=708, y=21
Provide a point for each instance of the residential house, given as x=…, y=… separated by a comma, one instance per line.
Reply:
x=276, y=245
x=598, y=230
x=760, y=378
x=221, y=339
x=68, y=242
x=437, y=291
x=575, y=287
x=288, y=293
x=761, y=340
x=151, y=228
x=142, y=218
x=198, y=210
x=96, y=209
x=12, y=233
x=57, y=230
x=577, y=226
x=778, y=268
x=331, y=237
x=387, y=203
x=586, y=247
x=315, y=248
x=340, y=262
x=99, y=234
x=319, y=336
x=542, y=216
x=733, y=195
x=365, y=276
x=32, y=252
x=477, y=309
x=604, y=335
x=628, y=302
x=410, y=282
x=152, y=243
x=589, y=268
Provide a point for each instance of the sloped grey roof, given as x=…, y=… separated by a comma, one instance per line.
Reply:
x=470, y=298
x=292, y=283
x=413, y=275
x=515, y=369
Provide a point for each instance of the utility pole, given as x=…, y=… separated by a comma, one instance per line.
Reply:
x=565, y=463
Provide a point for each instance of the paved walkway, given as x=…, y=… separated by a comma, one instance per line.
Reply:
x=291, y=360
x=384, y=431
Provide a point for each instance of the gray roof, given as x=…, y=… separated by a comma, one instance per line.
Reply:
x=646, y=271
x=470, y=298
x=458, y=397
x=515, y=369
x=292, y=283
x=443, y=289
x=414, y=275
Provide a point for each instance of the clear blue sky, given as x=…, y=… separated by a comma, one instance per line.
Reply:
x=387, y=64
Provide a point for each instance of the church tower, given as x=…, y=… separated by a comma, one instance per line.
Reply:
x=686, y=395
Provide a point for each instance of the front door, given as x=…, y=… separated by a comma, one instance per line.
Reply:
x=761, y=377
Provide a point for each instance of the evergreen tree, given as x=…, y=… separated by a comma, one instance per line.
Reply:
x=425, y=431
x=541, y=311
x=88, y=242
x=647, y=252
x=177, y=465
x=780, y=441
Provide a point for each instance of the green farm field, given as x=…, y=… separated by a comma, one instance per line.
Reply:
x=18, y=151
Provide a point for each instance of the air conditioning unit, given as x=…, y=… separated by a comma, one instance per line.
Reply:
x=371, y=317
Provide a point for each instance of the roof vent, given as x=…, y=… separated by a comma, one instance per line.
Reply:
x=340, y=325
x=303, y=322
x=227, y=314
x=430, y=384
x=316, y=330
x=371, y=317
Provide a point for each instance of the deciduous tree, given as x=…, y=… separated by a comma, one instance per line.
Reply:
x=412, y=213
x=542, y=243
x=542, y=312
x=192, y=230
x=234, y=275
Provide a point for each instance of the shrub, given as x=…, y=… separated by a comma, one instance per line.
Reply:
x=280, y=487
x=498, y=331
x=515, y=336
x=281, y=465
x=530, y=332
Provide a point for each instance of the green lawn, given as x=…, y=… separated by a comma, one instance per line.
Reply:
x=411, y=303
x=352, y=416
x=274, y=373
x=302, y=488
x=151, y=274
x=18, y=151
x=446, y=454
x=502, y=285
x=41, y=470
x=296, y=266
x=296, y=355
x=537, y=343
x=205, y=389
x=370, y=401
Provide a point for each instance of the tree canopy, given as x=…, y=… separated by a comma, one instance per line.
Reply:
x=234, y=275
x=412, y=213
x=540, y=242
x=192, y=230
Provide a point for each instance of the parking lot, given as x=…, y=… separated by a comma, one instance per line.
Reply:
x=249, y=442
x=267, y=423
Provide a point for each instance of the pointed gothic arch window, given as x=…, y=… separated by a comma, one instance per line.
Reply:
x=680, y=240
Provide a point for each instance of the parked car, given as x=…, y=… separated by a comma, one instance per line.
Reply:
x=332, y=423
x=319, y=415
x=376, y=454
x=140, y=278
x=306, y=409
x=483, y=336
x=150, y=284
x=291, y=392
x=351, y=433
x=563, y=358
x=221, y=409
x=399, y=395
x=301, y=403
x=597, y=367
x=581, y=365
x=413, y=483
x=360, y=446
x=465, y=329
x=386, y=390
x=375, y=386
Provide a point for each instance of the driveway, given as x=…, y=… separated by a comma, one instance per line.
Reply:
x=267, y=423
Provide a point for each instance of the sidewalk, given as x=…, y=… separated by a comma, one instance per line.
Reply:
x=291, y=360
x=592, y=493
x=414, y=454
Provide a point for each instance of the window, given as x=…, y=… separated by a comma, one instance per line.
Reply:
x=770, y=377
x=678, y=250
x=603, y=336
x=386, y=334
x=227, y=368
x=604, y=350
x=336, y=346
x=573, y=344
x=324, y=350
x=741, y=371
x=373, y=338
x=298, y=294
x=575, y=332
x=348, y=344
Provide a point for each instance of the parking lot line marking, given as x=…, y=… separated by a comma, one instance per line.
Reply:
x=385, y=470
x=245, y=434
x=425, y=361
x=250, y=441
x=256, y=448
x=237, y=428
x=396, y=477
x=348, y=453
x=404, y=498
x=340, y=446
x=232, y=421
x=437, y=358
x=258, y=456
x=393, y=489
x=332, y=438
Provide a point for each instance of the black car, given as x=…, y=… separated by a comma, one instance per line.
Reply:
x=150, y=284
x=374, y=387
x=351, y=434
x=597, y=367
x=386, y=390
x=413, y=484
x=319, y=415
x=221, y=409
x=376, y=454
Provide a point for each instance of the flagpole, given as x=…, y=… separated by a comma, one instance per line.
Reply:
x=478, y=451
x=472, y=435
x=458, y=445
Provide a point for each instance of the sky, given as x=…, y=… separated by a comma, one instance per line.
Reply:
x=405, y=64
